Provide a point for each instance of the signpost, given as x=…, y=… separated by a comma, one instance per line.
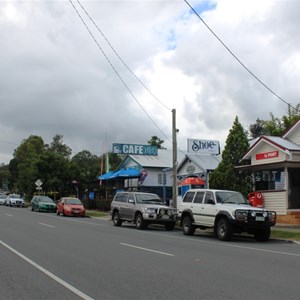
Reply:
x=38, y=184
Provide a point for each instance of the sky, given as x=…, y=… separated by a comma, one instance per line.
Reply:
x=115, y=72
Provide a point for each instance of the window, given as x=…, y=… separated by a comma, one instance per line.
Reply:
x=208, y=196
x=199, y=197
x=121, y=197
x=188, y=197
x=269, y=180
x=161, y=178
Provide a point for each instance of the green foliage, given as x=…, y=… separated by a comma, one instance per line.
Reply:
x=225, y=176
x=155, y=141
x=275, y=126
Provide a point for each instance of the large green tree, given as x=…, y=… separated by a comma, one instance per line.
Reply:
x=24, y=164
x=225, y=176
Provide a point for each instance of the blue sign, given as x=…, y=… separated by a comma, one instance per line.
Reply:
x=134, y=149
x=91, y=195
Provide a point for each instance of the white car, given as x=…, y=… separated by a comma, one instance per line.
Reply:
x=3, y=199
x=227, y=212
x=15, y=200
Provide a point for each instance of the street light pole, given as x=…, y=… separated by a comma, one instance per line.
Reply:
x=174, y=139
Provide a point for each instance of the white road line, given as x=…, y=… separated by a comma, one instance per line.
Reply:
x=46, y=225
x=48, y=273
x=9, y=215
x=146, y=249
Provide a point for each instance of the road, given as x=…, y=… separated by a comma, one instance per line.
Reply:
x=44, y=256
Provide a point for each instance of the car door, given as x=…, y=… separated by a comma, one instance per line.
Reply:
x=196, y=207
x=208, y=208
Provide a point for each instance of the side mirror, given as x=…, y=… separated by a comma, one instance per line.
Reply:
x=131, y=201
x=211, y=201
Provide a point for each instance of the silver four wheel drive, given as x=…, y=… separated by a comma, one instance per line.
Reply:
x=142, y=209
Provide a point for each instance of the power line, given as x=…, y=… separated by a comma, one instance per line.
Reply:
x=237, y=59
x=115, y=70
x=118, y=56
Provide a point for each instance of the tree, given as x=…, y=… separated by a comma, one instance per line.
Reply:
x=58, y=147
x=87, y=167
x=24, y=165
x=275, y=126
x=225, y=176
x=156, y=141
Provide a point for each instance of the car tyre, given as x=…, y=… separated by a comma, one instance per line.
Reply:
x=187, y=226
x=57, y=212
x=262, y=235
x=63, y=212
x=139, y=222
x=224, y=230
x=116, y=219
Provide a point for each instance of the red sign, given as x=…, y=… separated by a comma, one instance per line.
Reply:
x=267, y=155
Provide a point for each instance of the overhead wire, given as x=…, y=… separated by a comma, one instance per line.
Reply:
x=116, y=71
x=120, y=58
x=237, y=59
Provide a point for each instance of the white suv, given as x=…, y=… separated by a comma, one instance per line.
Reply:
x=142, y=209
x=227, y=212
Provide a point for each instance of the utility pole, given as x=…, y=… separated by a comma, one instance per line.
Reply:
x=174, y=139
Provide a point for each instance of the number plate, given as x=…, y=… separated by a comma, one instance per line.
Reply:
x=259, y=218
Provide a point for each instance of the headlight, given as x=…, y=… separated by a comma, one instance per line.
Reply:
x=265, y=214
x=253, y=214
x=150, y=210
x=241, y=215
x=169, y=212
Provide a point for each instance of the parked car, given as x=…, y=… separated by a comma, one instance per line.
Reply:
x=3, y=199
x=15, y=200
x=142, y=209
x=43, y=203
x=227, y=212
x=69, y=206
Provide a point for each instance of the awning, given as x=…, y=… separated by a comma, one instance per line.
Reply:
x=121, y=174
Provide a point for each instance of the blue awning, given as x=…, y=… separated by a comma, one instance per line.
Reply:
x=121, y=174
x=107, y=176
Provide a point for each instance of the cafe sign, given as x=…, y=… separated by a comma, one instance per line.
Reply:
x=266, y=155
x=135, y=149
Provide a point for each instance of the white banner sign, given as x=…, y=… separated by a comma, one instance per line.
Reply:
x=203, y=146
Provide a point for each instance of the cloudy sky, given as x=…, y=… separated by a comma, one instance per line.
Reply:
x=59, y=75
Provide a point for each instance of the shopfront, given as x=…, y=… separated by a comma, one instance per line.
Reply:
x=275, y=166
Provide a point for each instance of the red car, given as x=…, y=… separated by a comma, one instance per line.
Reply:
x=69, y=206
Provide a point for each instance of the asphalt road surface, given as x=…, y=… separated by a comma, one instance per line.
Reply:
x=44, y=256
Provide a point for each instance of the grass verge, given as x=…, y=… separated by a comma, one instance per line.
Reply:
x=285, y=235
x=96, y=213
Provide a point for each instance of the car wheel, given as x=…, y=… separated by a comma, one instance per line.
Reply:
x=170, y=226
x=187, y=226
x=224, y=230
x=262, y=235
x=139, y=222
x=31, y=208
x=116, y=219
x=63, y=212
x=57, y=212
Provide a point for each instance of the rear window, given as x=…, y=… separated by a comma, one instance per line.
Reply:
x=121, y=197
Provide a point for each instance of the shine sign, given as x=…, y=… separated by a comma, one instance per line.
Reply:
x=134, y=149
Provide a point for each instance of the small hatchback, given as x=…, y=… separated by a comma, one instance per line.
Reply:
x=69, y=206
x=142, y=209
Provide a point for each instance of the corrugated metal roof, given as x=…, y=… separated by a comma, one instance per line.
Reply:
x=163, y=159
x=205, y=161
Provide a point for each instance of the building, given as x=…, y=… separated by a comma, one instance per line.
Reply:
x=275, y=165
